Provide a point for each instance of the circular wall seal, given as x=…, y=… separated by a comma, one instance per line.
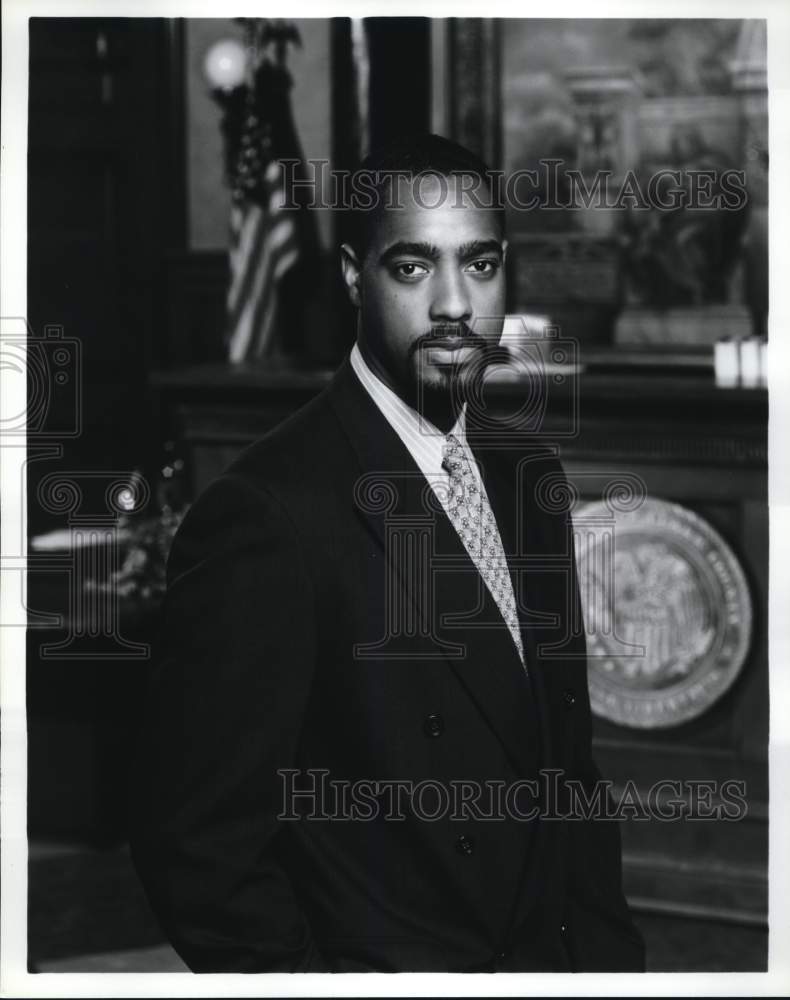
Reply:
x=667, y=612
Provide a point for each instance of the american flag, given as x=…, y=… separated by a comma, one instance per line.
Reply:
x=263, y=247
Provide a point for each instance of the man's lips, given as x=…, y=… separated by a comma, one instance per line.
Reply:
x=449, y=345
x=452, y=344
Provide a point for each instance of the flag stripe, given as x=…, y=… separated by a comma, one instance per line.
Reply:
x=259, y=260
x=256, y=257
x=247, y=230
x=247, y=321
x=263, y=248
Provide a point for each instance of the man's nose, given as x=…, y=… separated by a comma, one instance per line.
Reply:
x=451, y=299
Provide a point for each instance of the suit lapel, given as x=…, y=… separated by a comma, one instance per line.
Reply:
x=525, y=531
x=514, y=521
x=448, y=595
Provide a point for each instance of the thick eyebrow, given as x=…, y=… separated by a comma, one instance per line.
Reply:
x=404, y=249
x=477, y=248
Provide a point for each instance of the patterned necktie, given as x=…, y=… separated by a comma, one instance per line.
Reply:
x=471, y=516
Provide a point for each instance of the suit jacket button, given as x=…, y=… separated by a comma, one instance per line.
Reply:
x=570, y=698
x=433, y=726
x=563, y=929
x=465, y=845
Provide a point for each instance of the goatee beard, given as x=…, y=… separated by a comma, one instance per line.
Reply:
x=442, y=403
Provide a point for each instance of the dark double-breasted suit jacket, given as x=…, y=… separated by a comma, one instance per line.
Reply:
x=323, y=624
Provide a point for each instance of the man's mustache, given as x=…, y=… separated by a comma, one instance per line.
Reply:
x=444, y=333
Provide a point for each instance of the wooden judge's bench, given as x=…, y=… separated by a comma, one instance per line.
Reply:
x=699, y=884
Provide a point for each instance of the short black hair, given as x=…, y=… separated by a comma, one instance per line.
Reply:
x=413, y=155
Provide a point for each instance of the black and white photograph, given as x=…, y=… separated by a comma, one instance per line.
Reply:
x=388, y=496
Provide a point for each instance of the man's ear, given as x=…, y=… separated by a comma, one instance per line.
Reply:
x=352, y=272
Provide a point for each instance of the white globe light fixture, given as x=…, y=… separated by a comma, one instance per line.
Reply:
x=225, y=64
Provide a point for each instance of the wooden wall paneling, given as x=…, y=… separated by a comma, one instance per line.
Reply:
x=698, y=869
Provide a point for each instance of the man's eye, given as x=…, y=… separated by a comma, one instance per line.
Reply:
x=483, y=266
x=410, y=270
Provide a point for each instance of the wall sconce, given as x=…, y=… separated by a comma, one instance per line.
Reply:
x=225, y=64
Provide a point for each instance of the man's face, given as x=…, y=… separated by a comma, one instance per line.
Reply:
x=430, y=290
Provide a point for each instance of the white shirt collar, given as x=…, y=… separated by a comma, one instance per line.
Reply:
x=422, y=438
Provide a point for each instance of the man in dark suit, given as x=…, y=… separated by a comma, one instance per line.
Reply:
x=370, y=698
